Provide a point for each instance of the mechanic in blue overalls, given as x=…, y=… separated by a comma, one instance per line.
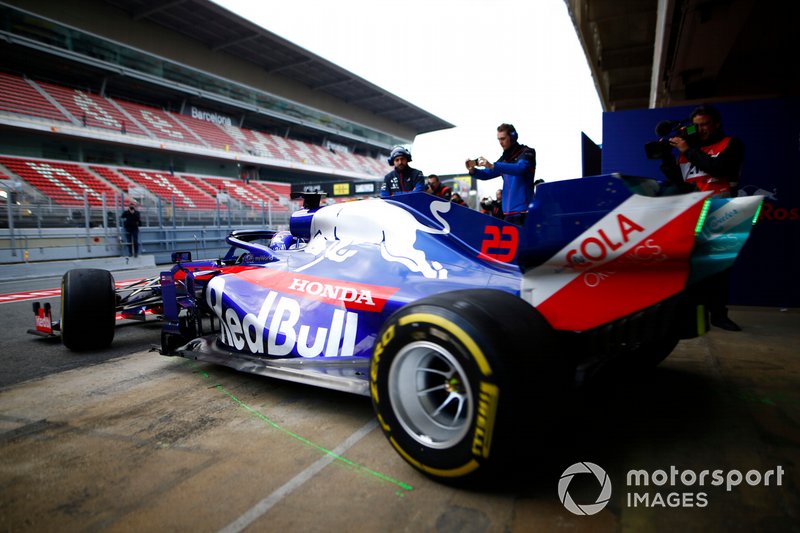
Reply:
x=517, y=165
x=402, y=179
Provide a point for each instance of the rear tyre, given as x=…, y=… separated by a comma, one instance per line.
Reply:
x=88, y=309
x=455, y=376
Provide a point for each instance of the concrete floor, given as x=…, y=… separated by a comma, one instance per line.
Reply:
x=150, y=443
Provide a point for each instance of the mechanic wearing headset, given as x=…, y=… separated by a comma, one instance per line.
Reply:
x=403, y=179
x=517, y=165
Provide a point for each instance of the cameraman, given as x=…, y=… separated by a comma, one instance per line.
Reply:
x=713, y=163
x=435, y=187
x=494, y=207
x=517, y=165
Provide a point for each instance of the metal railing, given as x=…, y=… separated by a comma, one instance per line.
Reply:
x=36, y=229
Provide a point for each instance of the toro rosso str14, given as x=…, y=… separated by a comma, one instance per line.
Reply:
x=454, y=322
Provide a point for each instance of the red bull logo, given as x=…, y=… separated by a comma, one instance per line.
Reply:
x=277, y=330
x=335, y=229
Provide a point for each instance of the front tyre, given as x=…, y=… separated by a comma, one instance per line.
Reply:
x=88, y=309
x=454, y=375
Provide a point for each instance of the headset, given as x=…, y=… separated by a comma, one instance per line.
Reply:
x=513, y=133
x=397, y=151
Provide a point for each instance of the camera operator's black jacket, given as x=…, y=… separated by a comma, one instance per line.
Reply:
x=714, y=165
x=494, y=208
x=442, y=191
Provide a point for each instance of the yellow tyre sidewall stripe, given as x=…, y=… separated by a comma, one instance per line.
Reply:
x=457, y=332
x=483, y=365
x=459, y=471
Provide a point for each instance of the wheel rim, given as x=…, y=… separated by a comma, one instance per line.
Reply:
x=430, y=394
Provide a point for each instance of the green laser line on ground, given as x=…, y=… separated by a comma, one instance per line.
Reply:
x=300, y=438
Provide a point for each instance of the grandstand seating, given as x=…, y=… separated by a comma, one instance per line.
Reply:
x=255, y=142
x=92, y=109
x=213, y=135
x=273, y=189
x=18, y=96
x=64, y=183
x=113, y=177
x=255, y=195
x=315, y=155
x=375, y=167
x=169, y=187
x=159, y=123
x=203, y=184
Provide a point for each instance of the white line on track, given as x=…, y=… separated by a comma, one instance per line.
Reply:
x=297, y=481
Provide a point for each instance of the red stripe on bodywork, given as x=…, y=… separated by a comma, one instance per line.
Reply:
x=655, y=269
x=353, y=296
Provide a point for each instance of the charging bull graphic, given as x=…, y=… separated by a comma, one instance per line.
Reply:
x=335, y=229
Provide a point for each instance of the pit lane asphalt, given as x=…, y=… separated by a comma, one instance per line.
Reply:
x=130, y=440
x=24, y=357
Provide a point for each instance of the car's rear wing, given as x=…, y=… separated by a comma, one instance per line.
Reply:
x=594, y=250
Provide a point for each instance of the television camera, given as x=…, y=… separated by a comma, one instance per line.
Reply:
x=666, y=129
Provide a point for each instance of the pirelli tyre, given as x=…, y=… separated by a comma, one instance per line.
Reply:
x=454, y=378
x=88, y=309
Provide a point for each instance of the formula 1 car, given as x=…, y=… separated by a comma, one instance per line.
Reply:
x=456, y=324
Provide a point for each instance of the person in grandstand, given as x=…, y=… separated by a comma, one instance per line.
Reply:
x=402, y=179
x=517, y=165
x=436, y=188
x=131, y=220
x=713, y=163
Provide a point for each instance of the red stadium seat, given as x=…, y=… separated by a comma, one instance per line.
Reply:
x=169, y=187
x=65, y=183
x=18, y=96
x=160, y=123
x=91, y=110
x=213, y=135
x=113, y=177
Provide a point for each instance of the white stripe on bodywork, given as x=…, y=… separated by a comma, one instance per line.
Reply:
x=652, y=214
